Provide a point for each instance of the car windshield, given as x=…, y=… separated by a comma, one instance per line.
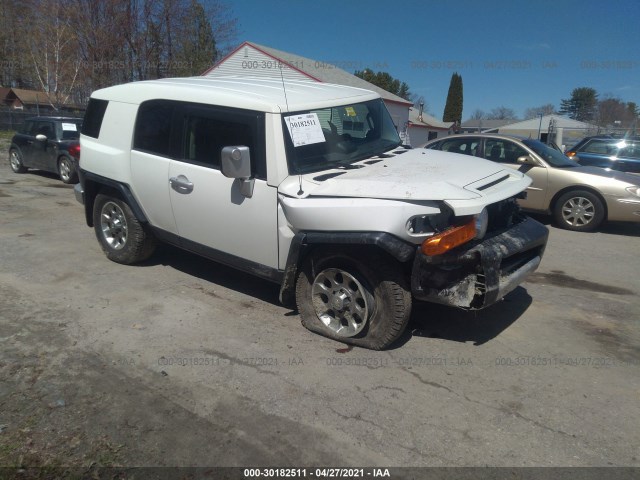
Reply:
x=338, y=136
x=550, y=155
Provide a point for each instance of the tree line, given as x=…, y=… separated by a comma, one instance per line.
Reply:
x=584, y=104
x=68, y=48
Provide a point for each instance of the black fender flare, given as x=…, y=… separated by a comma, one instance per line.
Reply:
x=302, y=242
x=92, y=184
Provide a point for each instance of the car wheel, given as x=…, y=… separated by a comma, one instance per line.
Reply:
x=352, y=300
x=579, y=210
x=15, y=160
x=122, y=237
x=66, y=170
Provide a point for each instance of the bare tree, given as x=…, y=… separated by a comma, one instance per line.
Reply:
x=478, y=115
x=502, y=113
x=548, y=109
x=52, y=49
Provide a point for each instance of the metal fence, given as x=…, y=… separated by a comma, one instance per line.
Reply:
x=13, y=119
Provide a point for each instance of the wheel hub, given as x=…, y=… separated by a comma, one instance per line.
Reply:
x=340, y=302
x=578, y=211
x=114, y=225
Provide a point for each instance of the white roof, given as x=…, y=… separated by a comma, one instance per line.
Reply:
x=259, y=94
x=535, y=123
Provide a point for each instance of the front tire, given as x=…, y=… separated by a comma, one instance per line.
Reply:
x=354, y=300
x=579, y=210
x=122, y=237
x=15, y=160
x=67, y=171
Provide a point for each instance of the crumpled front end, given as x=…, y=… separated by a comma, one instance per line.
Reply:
x=478, y=274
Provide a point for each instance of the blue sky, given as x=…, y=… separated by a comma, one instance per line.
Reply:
x=517, y=54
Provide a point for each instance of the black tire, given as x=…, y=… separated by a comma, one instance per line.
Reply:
x=374, y=280
x=15, y=161
x=122, y=237
x=579, y=210
x=66, y=170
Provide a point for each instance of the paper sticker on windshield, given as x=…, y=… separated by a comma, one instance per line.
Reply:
x=70, y=127
x=350, y=111
x=304, y=129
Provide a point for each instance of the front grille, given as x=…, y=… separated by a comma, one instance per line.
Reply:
x=504, y=214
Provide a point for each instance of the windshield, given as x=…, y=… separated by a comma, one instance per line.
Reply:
x=551, y=156
x=332, y=137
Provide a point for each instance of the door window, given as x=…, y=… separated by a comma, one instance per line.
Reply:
x=465, y=146
x=207, y=130
x=502, y=151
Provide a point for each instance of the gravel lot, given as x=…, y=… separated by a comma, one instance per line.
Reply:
x=181, y=361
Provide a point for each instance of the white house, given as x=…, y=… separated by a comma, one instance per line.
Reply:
x=251, y=59
x=423, y=127
x=562, y=130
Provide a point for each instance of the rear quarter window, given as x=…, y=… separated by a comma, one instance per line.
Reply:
x=153, y=127
x=93, y=117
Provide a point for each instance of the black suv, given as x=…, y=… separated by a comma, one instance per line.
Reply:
x=48, y=143
x=608, y=151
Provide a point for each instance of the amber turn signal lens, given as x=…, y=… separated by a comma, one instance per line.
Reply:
x=445, y=241
x=570, y=154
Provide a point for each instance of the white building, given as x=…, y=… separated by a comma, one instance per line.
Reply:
x=562, y=130
x=251, y=59
x=423, y=127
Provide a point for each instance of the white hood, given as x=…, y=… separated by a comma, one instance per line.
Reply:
x=418, y=174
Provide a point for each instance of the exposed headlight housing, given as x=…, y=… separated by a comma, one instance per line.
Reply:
x=482, y=223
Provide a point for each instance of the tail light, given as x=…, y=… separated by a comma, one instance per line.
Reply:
x=74, y=151
x=570, y=154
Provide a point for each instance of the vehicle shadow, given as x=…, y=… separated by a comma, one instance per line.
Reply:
x=628, y=229
x=47, y=176
x=438, y=321
x=215, y=273
x=427, y=320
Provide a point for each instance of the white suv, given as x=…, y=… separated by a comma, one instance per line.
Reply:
x=304, y=184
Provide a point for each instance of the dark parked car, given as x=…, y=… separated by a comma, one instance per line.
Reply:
x=606, y=151
x=48, y=143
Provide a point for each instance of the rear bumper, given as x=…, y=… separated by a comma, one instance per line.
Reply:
x=479, y=274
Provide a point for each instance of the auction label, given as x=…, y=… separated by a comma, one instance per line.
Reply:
x=305, y=129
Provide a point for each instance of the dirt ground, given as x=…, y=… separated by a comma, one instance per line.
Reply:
x=183, y=362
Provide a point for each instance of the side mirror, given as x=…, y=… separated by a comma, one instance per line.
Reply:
x=525, y=159
x=236, y=163
x=41, y=138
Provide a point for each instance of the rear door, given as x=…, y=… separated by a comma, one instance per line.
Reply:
x=208, y=207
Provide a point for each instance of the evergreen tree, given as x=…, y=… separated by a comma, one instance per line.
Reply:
x=385, y=81
x=453, y=107
x=582, y=105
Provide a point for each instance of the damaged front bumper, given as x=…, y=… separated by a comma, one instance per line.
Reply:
x=479, y=274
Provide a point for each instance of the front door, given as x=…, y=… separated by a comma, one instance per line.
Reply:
x=507, y=153
x=208, y=208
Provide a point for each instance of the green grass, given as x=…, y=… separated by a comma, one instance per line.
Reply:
x=6, y=134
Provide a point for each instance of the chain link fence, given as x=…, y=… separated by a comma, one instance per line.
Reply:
x=12, y=120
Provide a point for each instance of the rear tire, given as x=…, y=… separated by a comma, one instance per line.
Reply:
x=353, y=299
x=66, y=170
x=579, y=210
x=15, y=160
x=122, y=237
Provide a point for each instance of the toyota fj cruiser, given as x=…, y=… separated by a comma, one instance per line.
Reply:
x=306, y=185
